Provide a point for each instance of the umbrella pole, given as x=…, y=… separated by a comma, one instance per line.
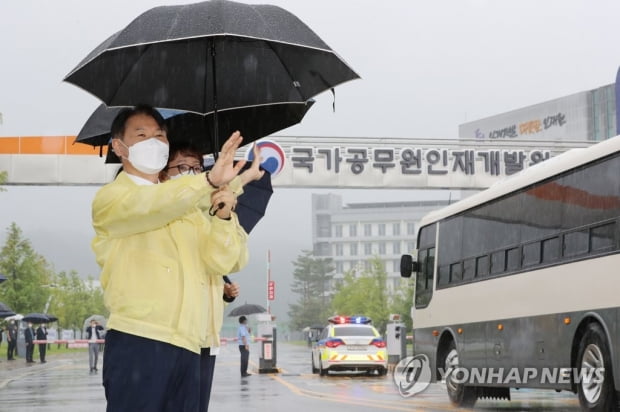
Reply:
x=216, y=142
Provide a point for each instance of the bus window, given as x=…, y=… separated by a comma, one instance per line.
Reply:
x=603, y=237
x=426, y=261
x=513, y=259
x=576, y=243
x=498, y=262
x=469, y=269
x=456, y=272
x=550, y=250
x=482, y=266
x=531, y=254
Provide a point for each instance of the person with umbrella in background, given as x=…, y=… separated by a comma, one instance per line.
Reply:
x=185, y=159
x=155, y=247
x=29, y=335
x=11, y=340
x=243, y=339
x=41, y=334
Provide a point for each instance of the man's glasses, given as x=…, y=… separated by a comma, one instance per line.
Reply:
x=184, y=169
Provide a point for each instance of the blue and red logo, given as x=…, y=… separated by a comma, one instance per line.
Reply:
x=272, y=155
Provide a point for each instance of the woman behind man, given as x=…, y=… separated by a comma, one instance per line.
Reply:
x=184, y=160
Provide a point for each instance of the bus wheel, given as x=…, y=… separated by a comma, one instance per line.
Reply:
x=596, y=385
x=460, y=395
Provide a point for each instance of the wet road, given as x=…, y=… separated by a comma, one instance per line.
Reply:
x=64, y=384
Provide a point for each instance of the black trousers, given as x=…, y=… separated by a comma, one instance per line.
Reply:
x=245, y=357
x=10, y=351
x=42, y=350
x=29, y=352
x=207, y=368
x=145, y=375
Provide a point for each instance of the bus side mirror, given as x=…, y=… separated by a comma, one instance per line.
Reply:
x=408, y=266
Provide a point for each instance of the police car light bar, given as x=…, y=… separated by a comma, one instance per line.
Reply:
x=360, y=320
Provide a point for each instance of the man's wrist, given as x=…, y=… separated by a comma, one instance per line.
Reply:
x=210, y=182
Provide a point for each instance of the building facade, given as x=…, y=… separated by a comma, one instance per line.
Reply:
x=353, y=234
x=584, y=116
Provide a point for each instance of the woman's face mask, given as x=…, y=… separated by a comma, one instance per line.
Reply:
x=148, y=156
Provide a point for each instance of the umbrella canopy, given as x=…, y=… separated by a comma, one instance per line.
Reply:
x=36, y=318
x=247, y=309
x=2, y=278
x=14, y=317
x=52, y=318
x=5, y=311
x=173, y=56
x=211, y=56
x=99, y=318
x=253, y=122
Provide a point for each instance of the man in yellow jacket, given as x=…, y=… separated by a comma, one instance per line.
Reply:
x=157, y=247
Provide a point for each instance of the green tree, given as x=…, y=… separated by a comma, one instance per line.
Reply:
x=365, y=294
x=27, y=273
x=402, y=301
x=312, y=278
x=74, y=299
x=3, y=178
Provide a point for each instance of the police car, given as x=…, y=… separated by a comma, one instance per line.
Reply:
x=349, y=343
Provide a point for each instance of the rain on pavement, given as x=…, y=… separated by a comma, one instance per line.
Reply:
x=64, y=384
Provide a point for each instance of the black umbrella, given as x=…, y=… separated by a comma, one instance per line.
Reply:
x=5, y=311
x=36, y=318
x=51, y=318
x=253, y=122
x=211, y=56
x=247, y=309
x=2, y=278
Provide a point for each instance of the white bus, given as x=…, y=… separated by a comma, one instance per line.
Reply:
x=518, y=286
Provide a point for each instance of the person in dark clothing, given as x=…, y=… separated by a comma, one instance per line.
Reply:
x=11, y=338
x=93, y=333
x=42, y=335
x=29, y=337
x=243, y=339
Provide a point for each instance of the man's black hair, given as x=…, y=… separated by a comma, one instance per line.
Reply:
x=120, y=121
x=242, y=319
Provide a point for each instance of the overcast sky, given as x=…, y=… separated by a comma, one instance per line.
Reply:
x=426, y=67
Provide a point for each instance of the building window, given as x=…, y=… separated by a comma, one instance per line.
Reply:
x=368, y=248
x=353, y=248
x=339, y=267
x=338, y=231
x=396, y=265
x=396, y=248
x=411, y=228
x=367, y=229
x=382, y=248
x=396, y=229
x=410, y=246
x=338, y=249
x=381, y=229
x=353, y=229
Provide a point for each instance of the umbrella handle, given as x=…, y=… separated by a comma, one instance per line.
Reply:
x=227, y=280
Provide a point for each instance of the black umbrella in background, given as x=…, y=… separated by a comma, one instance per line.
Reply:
x=5, y=311
x=36, y=318
x=247, y=309
x=253, y=122
x=2, y=278
x=211, y=56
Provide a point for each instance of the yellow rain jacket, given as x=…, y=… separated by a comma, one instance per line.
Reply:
x=161, y=256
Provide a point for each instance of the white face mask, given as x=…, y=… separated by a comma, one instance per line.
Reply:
x=180, y=175
x=148, y=156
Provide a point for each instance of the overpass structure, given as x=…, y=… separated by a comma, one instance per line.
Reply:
x=306, y=161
